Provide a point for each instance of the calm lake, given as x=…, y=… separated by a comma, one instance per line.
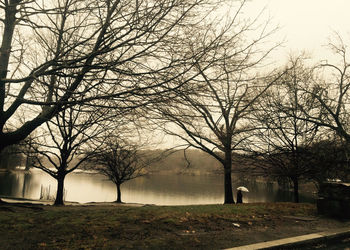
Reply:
x=152, y=189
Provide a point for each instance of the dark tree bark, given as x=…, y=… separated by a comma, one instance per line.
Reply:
x=228, y=187
x=60, y=189
x=296, y=189
x=28, y=163
x=119, y=194
x=228, y=179
x=5, y=52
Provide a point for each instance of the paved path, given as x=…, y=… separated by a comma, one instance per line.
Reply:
x=302, y=240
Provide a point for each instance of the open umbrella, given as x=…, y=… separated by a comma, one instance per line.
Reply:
x=244, y=189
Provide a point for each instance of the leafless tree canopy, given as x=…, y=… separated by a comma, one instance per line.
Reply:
x=120, y=161
x=60, y=147
x=213, y=110
x=284, y=136
x=112, y=51
x=330, y=91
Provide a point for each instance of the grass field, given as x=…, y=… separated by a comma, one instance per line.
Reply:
x=154, y=227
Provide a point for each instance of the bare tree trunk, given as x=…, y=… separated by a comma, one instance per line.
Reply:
x=60, y=190
x=10, y=23
x=119, y=194
x=5, y=50
x=228, y=179
x=25, y=184
x=28, y=163
x=296, y=189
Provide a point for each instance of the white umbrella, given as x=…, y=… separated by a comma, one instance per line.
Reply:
x=244, y=189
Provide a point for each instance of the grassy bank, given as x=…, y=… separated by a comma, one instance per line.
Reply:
x=155, y=227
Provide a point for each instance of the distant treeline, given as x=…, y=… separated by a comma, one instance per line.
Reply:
x=11, y=157
x=195, y=162
x=191, y=161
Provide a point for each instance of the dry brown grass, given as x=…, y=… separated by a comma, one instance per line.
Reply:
x=155, y=227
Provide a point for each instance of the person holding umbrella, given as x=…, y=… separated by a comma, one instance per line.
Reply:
x=239, y=193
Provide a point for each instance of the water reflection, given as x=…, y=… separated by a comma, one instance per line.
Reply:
x=155, y=189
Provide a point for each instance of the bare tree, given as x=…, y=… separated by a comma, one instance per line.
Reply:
x=213, y=111
x=28, y=150
x=284, y=139
x=116, y=50
x=121, y=161
x=328, y=159
x=61, y=148
x=330, y=92
x=11, y=157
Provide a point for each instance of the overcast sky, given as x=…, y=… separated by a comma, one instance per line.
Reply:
x=307, y=24
x=304, y=25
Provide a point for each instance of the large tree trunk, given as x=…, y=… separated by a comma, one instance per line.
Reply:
x=60, y=190
x=228, y=180
x=296, y=189
x=8, y=30
x=119, y=194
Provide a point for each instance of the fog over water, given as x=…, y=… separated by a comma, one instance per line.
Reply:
x=152, y=189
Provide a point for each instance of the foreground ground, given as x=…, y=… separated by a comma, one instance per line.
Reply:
x=155, y=227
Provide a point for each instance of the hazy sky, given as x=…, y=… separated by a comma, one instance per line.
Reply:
x=307, y=24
